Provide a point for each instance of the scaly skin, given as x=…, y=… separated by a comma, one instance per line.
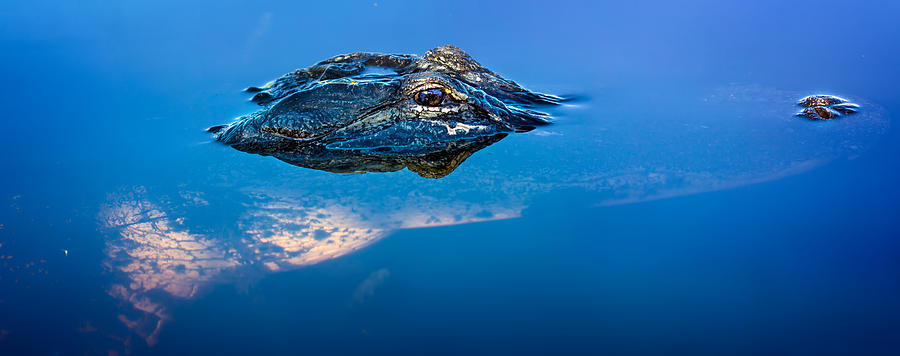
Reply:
x=340, y=110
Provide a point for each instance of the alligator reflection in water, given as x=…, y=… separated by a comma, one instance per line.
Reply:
x=433, y=161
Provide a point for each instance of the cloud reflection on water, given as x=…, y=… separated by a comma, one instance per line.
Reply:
x=159, y=260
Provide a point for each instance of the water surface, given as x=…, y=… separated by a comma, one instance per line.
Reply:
x=677, y=206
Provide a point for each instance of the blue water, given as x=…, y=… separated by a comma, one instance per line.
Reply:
x=676, y=207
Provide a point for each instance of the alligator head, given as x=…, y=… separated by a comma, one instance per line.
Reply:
x=386, y=105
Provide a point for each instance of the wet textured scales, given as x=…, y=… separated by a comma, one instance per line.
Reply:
x=373, y=112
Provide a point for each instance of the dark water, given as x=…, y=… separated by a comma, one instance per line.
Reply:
x=677, y=207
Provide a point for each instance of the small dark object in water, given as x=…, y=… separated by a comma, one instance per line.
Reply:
x=825, y=107
x=376, y=112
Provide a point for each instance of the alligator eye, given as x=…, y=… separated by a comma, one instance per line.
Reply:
x=430, y=97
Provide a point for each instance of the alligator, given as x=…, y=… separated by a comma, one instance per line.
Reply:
x=382, y=112
x=373, y=112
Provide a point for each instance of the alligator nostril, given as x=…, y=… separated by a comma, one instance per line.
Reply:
x=262, y=98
